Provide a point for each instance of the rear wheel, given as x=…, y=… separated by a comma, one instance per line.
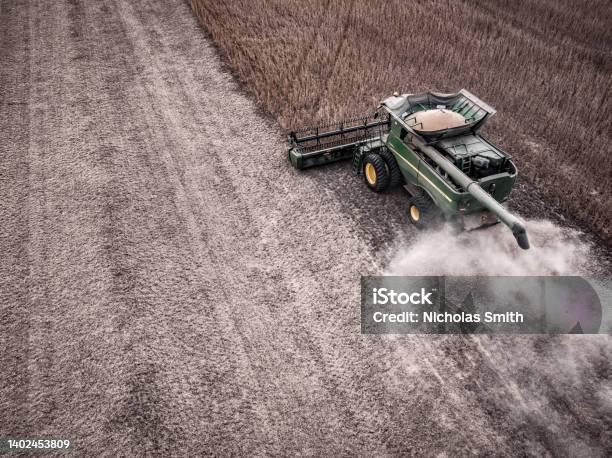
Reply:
x=422, y=211
x=376, y=172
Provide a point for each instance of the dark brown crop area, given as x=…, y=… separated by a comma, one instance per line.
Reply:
x=545, y=65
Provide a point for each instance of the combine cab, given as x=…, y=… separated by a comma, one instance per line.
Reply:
x=430, y=144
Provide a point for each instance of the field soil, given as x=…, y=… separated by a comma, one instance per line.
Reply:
x=169, y=285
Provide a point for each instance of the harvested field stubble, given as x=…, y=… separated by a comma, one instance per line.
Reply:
x=545, y=64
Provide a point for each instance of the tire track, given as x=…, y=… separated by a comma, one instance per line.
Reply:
x=14, y=176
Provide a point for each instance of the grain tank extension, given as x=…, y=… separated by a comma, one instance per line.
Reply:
x=430, y=144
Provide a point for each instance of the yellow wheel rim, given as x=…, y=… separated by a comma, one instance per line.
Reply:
x=370, y=173
x=415, y=213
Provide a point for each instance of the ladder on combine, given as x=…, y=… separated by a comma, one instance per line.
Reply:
x=465, y=164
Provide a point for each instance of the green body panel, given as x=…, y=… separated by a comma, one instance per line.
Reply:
x=419, y=174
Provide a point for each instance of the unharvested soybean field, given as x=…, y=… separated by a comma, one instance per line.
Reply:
x=545, y=65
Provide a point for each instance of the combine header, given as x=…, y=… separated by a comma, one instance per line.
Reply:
x=428, y=142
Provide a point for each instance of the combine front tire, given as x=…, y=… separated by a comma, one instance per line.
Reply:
x=422, y=211
x=394, y=170
x=376, y=172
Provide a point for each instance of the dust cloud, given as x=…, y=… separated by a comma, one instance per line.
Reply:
x=492, y=251
x=545, y=379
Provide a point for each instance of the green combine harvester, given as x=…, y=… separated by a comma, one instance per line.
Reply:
x=430, y=144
